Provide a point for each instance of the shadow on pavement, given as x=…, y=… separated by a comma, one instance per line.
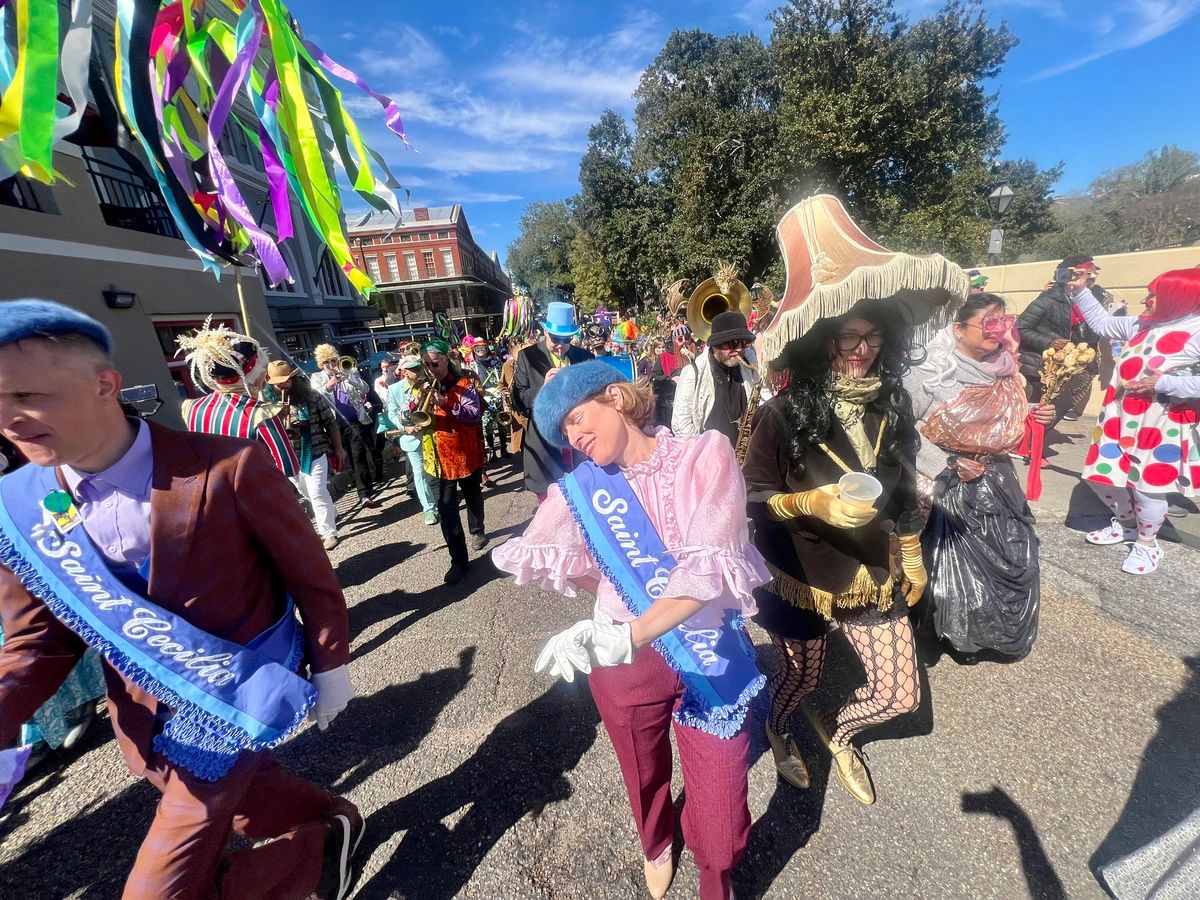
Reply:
x=517, y=771
x=374, y=561
x=64, y=861
x=792, y=816
x=1167, y=787
x=377, y=730
x=407, y=609
x=1040, y=878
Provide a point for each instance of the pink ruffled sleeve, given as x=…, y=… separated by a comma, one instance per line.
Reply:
x=551, y=551
x=717, y=557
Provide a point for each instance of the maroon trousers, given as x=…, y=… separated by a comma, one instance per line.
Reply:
x=183, y=853
x=636, y=702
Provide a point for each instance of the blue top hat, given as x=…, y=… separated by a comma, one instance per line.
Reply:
x=560, y=320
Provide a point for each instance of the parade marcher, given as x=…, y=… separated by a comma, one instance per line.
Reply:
x=315, y=436
x=402, y=398
x=453, y=453
x=1051, y=321
x=1145, y=444
x=544, y=461
x=845, y=410
x=486, y=366
x=656, y=630
x=204, y=533
x=233, y=366
x=982, y=551
x=351, y=401
x=516, y=438
x=714, y=388
x=387, y=377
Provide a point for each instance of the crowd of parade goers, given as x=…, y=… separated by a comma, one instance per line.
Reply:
x=860, y=487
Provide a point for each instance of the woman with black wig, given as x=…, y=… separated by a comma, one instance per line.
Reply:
x=844, y=410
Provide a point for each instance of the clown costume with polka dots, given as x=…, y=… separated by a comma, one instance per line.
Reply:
x=1147, y=440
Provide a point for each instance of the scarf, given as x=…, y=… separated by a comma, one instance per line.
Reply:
x=850, y=396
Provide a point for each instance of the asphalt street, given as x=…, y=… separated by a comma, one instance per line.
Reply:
x=482, y=779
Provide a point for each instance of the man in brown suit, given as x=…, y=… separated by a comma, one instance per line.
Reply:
x=225, y=543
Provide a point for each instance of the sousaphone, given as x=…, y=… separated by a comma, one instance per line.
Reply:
x=721, y=293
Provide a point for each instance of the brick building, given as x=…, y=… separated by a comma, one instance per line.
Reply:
x=428, y=262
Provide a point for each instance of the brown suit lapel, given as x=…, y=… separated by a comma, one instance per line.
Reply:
x=176, y=492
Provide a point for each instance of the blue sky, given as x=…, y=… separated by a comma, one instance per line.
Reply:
x=498, y=96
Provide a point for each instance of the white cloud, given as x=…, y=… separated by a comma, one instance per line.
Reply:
x=401, y=50
x=1132, y=24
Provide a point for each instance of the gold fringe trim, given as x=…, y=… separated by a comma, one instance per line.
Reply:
x=929, y=287
x=862, y=592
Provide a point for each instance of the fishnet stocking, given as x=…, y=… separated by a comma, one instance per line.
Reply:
x=798, y=675
x=892, y=687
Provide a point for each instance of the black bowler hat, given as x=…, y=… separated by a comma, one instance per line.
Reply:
x=729, y=326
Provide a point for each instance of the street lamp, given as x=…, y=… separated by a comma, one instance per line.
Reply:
x=998, y=203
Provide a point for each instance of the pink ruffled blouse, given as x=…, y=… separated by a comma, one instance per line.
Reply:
x=693, y=492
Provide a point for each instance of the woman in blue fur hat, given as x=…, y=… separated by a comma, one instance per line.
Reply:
x=654, y=527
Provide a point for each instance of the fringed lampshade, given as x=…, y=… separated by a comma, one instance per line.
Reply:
x=831, y=266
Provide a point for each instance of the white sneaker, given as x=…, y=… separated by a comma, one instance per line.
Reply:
x=1113, y=533
x=1142, y=560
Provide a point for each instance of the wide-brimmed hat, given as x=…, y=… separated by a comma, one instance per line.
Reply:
x=729, y=326
x=832, y=265
x=560, y=320
x=411, y=362
x=280, y=370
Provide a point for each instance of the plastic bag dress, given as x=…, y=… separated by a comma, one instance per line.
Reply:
x=981, y=550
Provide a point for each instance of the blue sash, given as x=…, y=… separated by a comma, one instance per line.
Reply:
x=717, y=665
x=225, y=698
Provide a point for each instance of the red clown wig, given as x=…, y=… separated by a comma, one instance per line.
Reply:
x=1176, y=294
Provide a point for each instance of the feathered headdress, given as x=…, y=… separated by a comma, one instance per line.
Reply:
x=222, y=359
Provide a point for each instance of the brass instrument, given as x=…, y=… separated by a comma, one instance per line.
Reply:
x=347, y=365
x=421, y=417
x=721, y=293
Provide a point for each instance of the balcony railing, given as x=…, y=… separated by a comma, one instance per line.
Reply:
x=127, y=200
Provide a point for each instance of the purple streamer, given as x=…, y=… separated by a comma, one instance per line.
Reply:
x=277, y=179
x=228, y=193
x=389, y=105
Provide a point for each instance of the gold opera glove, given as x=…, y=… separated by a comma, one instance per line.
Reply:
x=912, y=562
x=821, y=503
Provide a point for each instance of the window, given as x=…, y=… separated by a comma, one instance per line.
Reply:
x=128, y=198
x=366, y=242
x=373, y=267
x=430, y=266
x=424, y=235
x=447, y=261
x=236, y=145
x=17, y=191
x=442, y=235
x=410, y=260
x=393, y=270
x=329, y=277
x=405, y=238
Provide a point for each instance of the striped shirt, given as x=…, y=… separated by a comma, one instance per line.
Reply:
x=240, y=416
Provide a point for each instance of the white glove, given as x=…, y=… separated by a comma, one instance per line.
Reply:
x=584, y=644
x=334, y=691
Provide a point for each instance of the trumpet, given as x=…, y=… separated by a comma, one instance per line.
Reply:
x=420, y=416
x=347, y=365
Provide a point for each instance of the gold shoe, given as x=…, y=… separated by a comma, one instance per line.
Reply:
x=788, y=762
x=852, y=773
x=851, y=770
x=658, y=881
